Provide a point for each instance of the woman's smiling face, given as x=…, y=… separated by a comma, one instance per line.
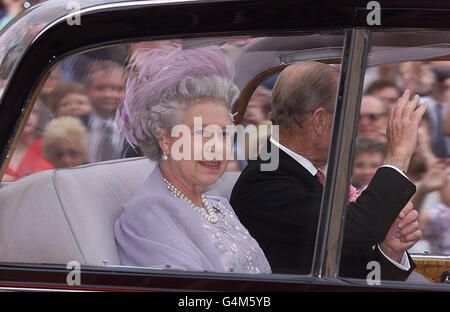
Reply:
x=199, y=143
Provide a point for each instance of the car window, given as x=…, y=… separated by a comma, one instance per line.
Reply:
x=256, y=123
x=59, y=131
x=81, y=172
x=426, y=176
x=88, y=170
x=34, y=17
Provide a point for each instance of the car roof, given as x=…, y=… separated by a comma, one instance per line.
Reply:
x=385, y=48
x=28, y=26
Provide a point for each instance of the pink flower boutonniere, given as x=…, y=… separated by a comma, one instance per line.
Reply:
x=353, y=194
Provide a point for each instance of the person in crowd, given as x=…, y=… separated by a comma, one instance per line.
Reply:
x=42, y=104
x=170, y=223
x=70, y=99
x=27, y=158
x=54, y=78
x=280, y=208
x=373, y=119
x=10, y=9
x=106, y=91
x=385, y=90
x=437, y=110
x=65, y=142
x=447, y=101
x=425, y=169
x=385, y=72
x=435, y=219
x=255, y=117
x=415, y=76
x=369, y=156
x=74, y=67
x=258, y=107
x=430, y=175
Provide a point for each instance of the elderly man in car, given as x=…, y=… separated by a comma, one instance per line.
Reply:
x=280, y=208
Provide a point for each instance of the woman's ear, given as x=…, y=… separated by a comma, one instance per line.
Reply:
x=164, y=141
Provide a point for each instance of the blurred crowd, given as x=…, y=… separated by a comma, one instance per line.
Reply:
x=73, y=123
x=429, y=168
x=10, y=8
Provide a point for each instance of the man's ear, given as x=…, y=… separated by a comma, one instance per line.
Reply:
x=318, y=119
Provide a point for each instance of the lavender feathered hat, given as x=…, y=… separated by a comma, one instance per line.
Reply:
x=157, y=71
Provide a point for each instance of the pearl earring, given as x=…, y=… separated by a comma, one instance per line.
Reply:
x=164, y=156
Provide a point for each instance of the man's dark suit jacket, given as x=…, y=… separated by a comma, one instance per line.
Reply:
x=281, y=208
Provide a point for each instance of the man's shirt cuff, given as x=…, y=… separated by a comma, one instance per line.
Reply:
x=404, y=263
x=399, y=171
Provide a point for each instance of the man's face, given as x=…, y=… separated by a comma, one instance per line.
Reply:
x=107, y=91
x=373, y=118
x=388, y=96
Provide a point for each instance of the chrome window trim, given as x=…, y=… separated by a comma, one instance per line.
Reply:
x=340, y=158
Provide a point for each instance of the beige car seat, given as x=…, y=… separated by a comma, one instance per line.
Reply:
x=64, y=215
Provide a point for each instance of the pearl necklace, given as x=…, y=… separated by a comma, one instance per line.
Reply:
x=209, y=214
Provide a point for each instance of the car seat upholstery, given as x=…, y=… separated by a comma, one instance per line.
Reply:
x=64, y=215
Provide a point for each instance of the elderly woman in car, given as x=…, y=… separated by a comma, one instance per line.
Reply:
x=177, y=110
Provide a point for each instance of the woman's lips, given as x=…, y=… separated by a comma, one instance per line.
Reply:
x=213, y=165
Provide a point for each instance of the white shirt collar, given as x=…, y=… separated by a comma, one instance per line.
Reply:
x=300, y=159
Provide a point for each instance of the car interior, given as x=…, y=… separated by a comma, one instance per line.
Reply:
x=65, y=214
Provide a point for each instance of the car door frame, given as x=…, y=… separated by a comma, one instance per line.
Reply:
x=120, y=23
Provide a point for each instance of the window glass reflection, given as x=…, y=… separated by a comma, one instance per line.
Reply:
x=429, y=167
x=125, y=101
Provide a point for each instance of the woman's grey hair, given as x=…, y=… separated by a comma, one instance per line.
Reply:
x=170, y=108
x=302, y=88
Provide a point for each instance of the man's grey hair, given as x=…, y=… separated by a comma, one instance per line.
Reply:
x=169, y=110
x=300, y=89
